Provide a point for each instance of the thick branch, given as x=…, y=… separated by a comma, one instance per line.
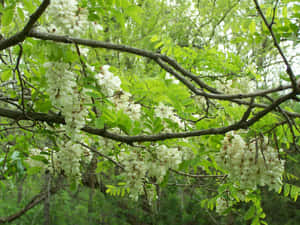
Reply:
x=122, y=48
x=158, y=58
x=243, y=124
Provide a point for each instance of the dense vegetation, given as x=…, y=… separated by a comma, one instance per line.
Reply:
x=149, y=112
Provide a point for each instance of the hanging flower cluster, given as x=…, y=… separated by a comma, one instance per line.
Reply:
x=123, y=102
x=67, y=160
x=69, y=99
x=67, y=18
x=167, y=112
x=222, y=204
x=241, y=85
x=108, y=82
x=251, y=164
x=66, y=96
x=111, y=86
x=139, y=164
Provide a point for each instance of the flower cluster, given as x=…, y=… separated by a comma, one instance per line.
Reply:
x=251, y=164
x=108, y=82
x=242, y=85
x=167, y=112
x=139, y=164
x=67, y=18
x=200, y=102
x=67, y=160
x=123, y=102
x=111, y=86
x=66, y=96
x=222, y=204
x=69, y=99
x=227, y=199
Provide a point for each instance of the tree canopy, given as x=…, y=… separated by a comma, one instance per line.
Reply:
x=152, y=101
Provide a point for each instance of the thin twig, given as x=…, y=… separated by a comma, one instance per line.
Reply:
x=197, y=175
x=269, y=26
x=20, y=77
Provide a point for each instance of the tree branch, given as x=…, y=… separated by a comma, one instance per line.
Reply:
x=42, y=117
x=33, y=202
x=197, y=175
x=269, y=26
x=20, y=36
x=158, y=58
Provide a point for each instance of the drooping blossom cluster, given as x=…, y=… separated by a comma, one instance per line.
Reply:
x=67, y=18
x=222, y=204
x=108, y=82
x=67, y=160
x=251, y=164
x=242, y=85
x=139, y=164
x=111, y=86
x=167, y=112
x=69, y=99
x=66, y=96
x=227, y=200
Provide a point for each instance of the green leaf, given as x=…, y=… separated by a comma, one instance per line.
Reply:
x=39, y=158
x=154, y=38
x=44, y=105
x=124, y=122
x=7, y=17
x=28, y=5
x=262, y=215
x=286, y=190
x=32, y=170
x=15, y=156
x=252, y=27
x=294, y=192
x=255, y=221
x=285, y=12
x=6, y=75
x=99, y=123
x=94, y=94
x=21, y=14
x=250, y=213
x=157, y=125
x=134, y=12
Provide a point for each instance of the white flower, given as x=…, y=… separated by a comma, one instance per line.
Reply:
x=169, y=77
x=164, y=111
x=108, y=82
x=251, y=166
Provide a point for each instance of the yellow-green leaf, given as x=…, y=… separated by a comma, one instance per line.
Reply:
x=284, y=12
x=7, y=17
x=6, y=75
x=294, y=192
x=286, y=190
x=252, y=27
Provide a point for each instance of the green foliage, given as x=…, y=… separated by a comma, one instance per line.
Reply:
x=224, y=44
